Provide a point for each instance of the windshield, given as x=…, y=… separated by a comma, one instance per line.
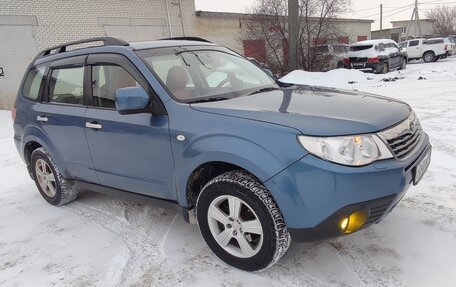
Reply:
x=205, y=73
x=320, y=49
x=340, y=49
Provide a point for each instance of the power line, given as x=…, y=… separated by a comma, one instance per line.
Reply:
x=389, y=10
x=386, y=14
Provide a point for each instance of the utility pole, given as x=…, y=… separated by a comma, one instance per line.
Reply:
x=417, y=21
x=293, y=18
x=169, y=19
x=182, y=18
x=381, y=18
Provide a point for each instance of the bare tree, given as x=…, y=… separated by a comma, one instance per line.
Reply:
x=318, y=25
x=445, y=20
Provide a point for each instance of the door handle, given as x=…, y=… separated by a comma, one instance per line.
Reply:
x=93, y=125
x=42, y=118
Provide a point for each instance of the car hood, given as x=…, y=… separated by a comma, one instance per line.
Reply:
x=315, y=111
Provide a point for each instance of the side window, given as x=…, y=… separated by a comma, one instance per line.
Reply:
x=381, y=47
x=403, y=44
x=106, y=80
x=66, y=85
x=414, y=43
x=33, y=82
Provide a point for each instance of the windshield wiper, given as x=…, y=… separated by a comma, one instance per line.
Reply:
x=206, y=100
x=262, y=90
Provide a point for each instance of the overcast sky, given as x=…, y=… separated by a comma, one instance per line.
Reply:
x=392, y=9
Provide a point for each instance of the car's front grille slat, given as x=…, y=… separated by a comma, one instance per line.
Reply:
x=404, y=137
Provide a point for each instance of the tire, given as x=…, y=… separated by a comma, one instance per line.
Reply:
x=54, y=188
x=382, y=69
x=269, y=239
x=403, y=64
x=429, y=57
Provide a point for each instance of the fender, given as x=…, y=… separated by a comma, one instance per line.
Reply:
x=246, y=154
x=34, y=133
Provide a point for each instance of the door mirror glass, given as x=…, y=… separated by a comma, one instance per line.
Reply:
x=131, y=100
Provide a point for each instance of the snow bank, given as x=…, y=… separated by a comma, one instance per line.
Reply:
x=339, y=78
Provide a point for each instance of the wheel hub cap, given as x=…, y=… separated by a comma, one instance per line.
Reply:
x=235, y=226
x=45, y=177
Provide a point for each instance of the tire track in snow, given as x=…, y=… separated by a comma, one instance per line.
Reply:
x=362, y=265
x=143, y=246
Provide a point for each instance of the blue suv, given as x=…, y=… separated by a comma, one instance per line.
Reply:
x=187, y=124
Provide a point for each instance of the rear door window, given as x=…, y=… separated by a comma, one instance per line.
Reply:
x=66, y=86
x=414, y=43
x=33, y=83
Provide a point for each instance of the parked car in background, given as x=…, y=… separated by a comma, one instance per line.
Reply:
x=451, y=42
x=380, y=56
x=330, y=56
x=430, y=50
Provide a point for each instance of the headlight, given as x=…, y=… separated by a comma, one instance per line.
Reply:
x=348, y=150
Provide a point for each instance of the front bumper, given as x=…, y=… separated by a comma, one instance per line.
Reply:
x=314, y=194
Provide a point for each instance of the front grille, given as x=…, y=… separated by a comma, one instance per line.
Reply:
x=376, y=212
x=404, y=144
x=404, y=138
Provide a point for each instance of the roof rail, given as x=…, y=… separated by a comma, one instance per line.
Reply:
x=197, y=39
x=107, y=41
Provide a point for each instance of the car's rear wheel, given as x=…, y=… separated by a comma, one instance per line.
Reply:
x=429, y=57
x=403, y=64
x=53, y=187
x=241, y=223
x=382, y=68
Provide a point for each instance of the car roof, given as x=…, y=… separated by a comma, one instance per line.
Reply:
x=167, y=43
x=373, y=42
x=109, y=45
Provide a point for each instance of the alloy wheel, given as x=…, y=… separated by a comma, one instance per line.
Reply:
x=45, y=177
x=235, y=226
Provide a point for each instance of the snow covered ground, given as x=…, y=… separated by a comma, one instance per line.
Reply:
x=104, y=241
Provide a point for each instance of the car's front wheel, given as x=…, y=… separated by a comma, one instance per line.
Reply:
x=241, y=223
x=53, y=187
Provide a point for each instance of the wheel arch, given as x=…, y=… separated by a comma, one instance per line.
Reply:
x=35, y=138
x=428, y=51
x=204, y=173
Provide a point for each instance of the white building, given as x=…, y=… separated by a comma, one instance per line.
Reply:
x=410, y=28
x=28, y=26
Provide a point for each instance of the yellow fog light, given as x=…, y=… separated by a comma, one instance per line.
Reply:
x=353, y=222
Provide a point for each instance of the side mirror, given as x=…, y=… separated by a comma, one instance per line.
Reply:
x=267, y=71
x=401, y=48
x=131, y=100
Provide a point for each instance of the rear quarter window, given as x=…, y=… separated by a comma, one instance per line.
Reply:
x=432, y=42
x=33, y=82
